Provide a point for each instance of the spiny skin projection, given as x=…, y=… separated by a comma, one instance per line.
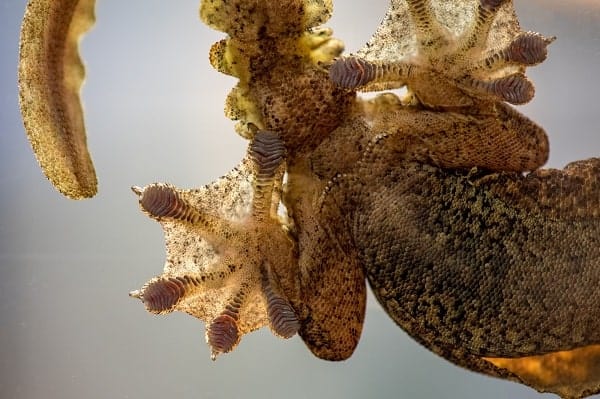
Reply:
x=492, y=268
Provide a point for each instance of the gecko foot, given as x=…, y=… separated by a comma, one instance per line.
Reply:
x=485, y=61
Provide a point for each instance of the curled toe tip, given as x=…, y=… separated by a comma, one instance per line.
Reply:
x=337, y=71
x=282, y=317
x=516, y=90
x=222, y=335
x=268, y=151
x=351, y=72
x=160, y=200
x=529, y=48
x=286, y=328
x=162, y=295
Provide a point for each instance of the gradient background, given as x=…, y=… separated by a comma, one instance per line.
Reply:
x=154, y=112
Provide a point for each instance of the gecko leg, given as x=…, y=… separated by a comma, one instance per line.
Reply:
x=218, y=265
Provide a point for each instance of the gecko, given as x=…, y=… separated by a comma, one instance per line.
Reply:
x=436, y=198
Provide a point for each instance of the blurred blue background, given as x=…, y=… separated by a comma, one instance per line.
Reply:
x=154, y=112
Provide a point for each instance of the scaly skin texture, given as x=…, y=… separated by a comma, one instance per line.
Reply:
x=50, y=77
x=436, y=198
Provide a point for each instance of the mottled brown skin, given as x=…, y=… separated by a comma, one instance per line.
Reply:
x=471, y=272
x=436, y=198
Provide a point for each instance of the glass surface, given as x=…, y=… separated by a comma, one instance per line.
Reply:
x=154, y=112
